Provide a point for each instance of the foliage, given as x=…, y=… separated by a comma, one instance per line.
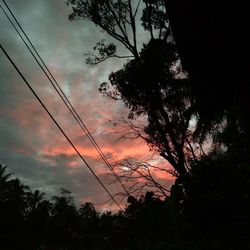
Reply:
x=215, y=60
x=149, y=84
x=206, y=217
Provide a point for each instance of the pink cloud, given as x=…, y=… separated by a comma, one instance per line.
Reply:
x=97, y=113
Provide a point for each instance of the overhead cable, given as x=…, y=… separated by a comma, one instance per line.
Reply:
x=58, y=126
x=60, y=92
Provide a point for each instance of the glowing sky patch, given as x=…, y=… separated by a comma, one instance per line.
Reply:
x=31, y=145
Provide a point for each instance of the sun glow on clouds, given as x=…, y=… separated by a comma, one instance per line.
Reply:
x=30, y=117
x=38, y=150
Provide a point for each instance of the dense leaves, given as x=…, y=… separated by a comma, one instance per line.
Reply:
x=214, y=48
x=212, y=214
x=199, y=39
x=189, y=81
x=151, y=84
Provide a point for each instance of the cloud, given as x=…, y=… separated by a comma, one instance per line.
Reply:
x=31, y=145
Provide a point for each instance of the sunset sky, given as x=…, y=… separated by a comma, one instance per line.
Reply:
x=30, y=144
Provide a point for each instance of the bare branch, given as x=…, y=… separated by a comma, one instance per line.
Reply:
x=136, y=9
x=137, y=177
x=94, y=60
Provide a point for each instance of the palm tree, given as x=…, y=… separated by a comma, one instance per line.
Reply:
x=17, y=187
x=13, y=209
x=4, y=181
x=87, y=211
x=3, y=176
x=34, y=198
x=16, y=195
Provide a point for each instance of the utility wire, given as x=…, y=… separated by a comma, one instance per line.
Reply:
x=60, y=92
x=57, y=124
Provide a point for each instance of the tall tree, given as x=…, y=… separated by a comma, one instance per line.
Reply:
x=62, y=225
x=34, y=199
x=214, y=49
x=150, y=84
x=4, y=177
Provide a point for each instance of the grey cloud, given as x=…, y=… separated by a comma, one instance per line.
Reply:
x=61, y=44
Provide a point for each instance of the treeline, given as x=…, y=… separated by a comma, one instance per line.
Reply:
x=212, y=214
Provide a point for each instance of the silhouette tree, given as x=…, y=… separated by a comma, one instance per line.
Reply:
x=12, y=214
x=87, y=211
x=37, y=218
x=4, y=177
x=140, y=177
x=189, y=81
x=149, y=84
x=215, y=59
x=89, y=232
x=207, y=49
x=17, y=195
x=34, y=199
x=207, y=216
x=117, y=18
x=62, y=225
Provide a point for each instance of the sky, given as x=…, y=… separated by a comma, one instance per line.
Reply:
x=30, y=144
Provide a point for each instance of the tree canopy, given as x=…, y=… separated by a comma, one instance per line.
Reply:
x=210, y=217
x=149, y=84
x=186, y=71
x=189, y=81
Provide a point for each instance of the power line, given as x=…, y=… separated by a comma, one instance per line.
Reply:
x=57, y=124
x=60, y=92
